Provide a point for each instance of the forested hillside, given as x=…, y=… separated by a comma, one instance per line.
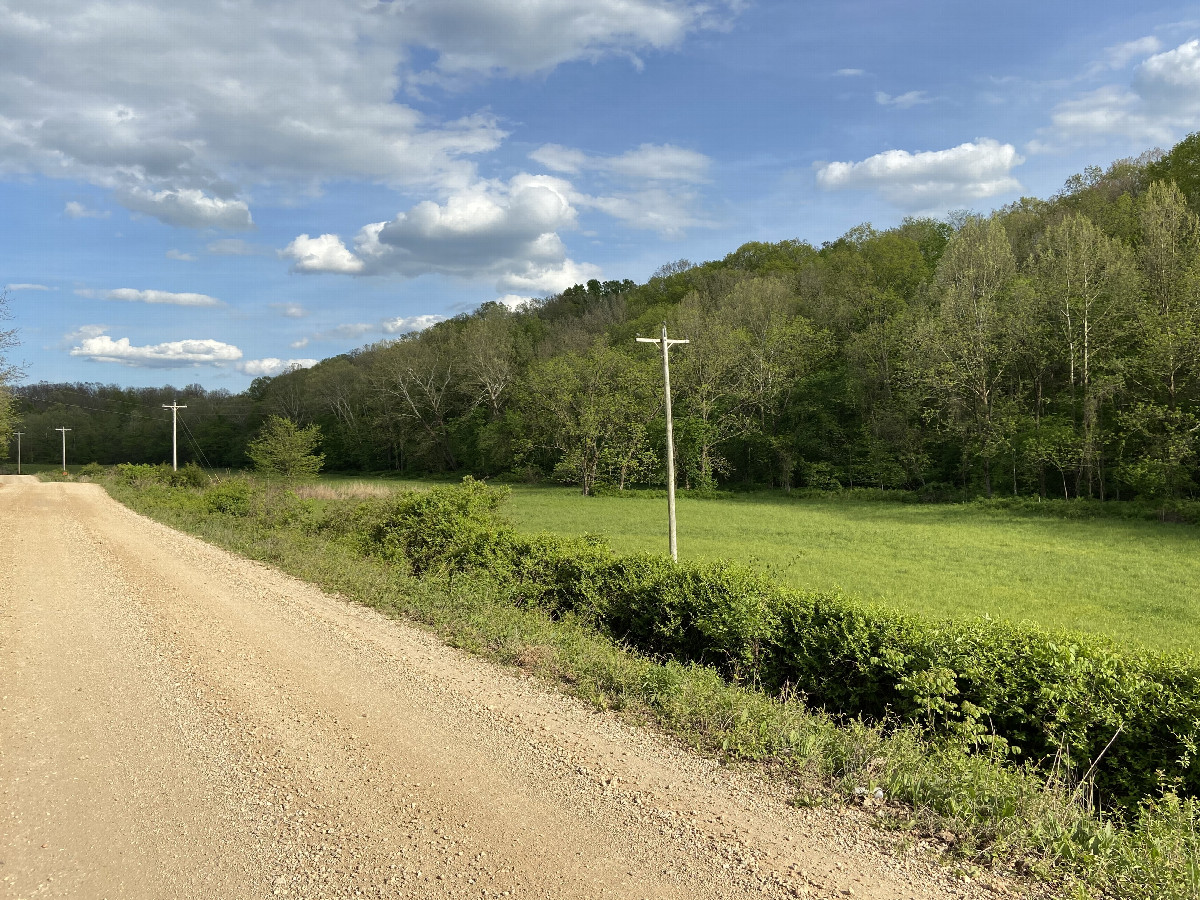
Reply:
x=1051, y=347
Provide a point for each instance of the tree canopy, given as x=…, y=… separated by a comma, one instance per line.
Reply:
x=1051, y=347
x=286, y=449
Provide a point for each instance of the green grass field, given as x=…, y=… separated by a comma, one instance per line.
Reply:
x=1129, y=579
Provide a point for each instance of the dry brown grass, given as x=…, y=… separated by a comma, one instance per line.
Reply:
x=364, y=491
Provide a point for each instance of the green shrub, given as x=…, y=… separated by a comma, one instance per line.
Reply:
x=1079, y=707
x=230, y=497
x=451, y=528
x=143, y=474
x=92, y=470
x=191, y=475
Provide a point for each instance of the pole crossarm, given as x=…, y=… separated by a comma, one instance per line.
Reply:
x=671, y=342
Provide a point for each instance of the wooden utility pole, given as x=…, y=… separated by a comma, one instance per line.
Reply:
x=665, y=343
x=18, y=434
x=174, y=408
x=64, y=434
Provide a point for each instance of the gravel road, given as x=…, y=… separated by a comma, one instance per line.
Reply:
x=177, y=722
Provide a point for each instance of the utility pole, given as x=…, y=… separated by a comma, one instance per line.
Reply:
x=666, y=343
x=174, y=408
x=18, y=434
x=64, y=434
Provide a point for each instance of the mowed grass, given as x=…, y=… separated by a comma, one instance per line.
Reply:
x=1128, y=579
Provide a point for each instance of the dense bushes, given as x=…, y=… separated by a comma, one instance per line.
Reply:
x=1124, y=722
x=144, y=475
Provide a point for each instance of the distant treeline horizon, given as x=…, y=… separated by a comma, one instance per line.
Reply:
x=1051, y=347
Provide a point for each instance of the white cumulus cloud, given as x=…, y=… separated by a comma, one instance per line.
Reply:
x=100, y=347
x=514, y=301
x=1160, y=104
x=324, y=253
x=935, y=179
x=181, y=108
x=271, y=365
x=504, y=232
x=188, y=208
x=408, y=324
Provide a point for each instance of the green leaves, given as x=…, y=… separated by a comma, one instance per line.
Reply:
x=285, y=449
x=1063, y=701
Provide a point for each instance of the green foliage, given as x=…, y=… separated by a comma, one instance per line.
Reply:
x=1050, y=348
x=1181, y=166
x=231, y=497
x=92, y=470
x=285, y=449
x=144, y=474
x=1078, y=564
x=448, y=528
x=189, y=475
x=8, y=373
x=1079, y=706
x=998, y=808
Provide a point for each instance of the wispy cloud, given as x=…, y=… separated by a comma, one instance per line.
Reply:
x=131, y=295
x=357, y=330
x=76, y=210
x=235, y=247
x=21, y=286
x=903, y=101
x=180, y=255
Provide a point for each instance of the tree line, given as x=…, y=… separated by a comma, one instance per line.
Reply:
x=1051, y=347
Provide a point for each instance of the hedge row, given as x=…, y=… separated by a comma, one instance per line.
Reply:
x=1121, y=721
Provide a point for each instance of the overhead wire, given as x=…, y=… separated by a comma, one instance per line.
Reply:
x=196, y=444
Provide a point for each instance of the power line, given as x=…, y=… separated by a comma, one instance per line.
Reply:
x=196, y=444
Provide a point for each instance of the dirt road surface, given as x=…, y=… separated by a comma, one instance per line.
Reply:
x=177, y=722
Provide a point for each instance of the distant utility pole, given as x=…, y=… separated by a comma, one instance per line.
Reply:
x=174, y=408
x=665, y=343
x=64, y=434
x=18, y=434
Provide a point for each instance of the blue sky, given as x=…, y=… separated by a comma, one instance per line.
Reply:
x=210, y=191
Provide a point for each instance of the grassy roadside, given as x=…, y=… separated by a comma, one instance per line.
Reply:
x=997, y=815
x=1059, y=564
